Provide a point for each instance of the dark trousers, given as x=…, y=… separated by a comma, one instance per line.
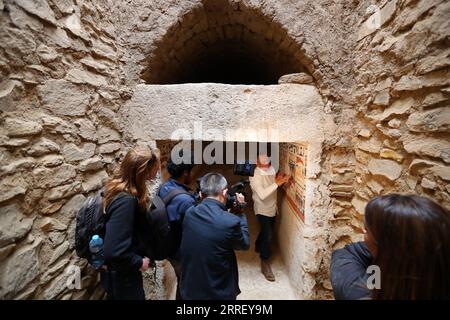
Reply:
x=264, y=240
x=176, y=265
x=123, y=285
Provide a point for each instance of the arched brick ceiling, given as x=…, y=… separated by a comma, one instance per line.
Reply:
x=225, y=43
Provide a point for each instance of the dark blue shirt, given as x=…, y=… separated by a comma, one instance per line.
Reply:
x=208, y=262
x=176, y=210
x=180, y=204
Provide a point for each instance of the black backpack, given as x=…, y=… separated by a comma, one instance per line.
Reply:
x=91, y=220
x=159, y=223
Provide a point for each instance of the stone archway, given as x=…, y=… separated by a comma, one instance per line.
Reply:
x=230, y=113
x=226, y=42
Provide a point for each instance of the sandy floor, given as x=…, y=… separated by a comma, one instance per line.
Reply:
x=252, y=282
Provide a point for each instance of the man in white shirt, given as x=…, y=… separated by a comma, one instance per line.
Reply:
x=264, y=184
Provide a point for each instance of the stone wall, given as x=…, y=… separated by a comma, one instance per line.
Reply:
x=403, y=115
x=61, y=85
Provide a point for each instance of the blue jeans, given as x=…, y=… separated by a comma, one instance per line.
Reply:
x=264, y=240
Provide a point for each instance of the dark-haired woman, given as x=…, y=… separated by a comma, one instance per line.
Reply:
x=125, y=201
x=408, y=238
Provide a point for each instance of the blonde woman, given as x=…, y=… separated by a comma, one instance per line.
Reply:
x=125, y=201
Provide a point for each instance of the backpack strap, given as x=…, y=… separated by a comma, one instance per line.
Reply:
x=172, y=194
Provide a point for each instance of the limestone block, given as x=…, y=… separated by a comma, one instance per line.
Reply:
x=399, y=107
x=391, y=154
x=434, y=98
x=91, y=164
x=385, y=168
x=72, y=153
x=106, y=134
x=377, y=19
x=46, y=54
x=433, y=62
x=428, y=146
x=375, y=186
x=13, y=225
x=86, y=129
x=11, y=186
x=72, y=24
x=42, y=147
x=418, y=164
x=359, y=205
x=63, y=191
x=436, y=120
x=70, y=209
x=18, y=165
x=300, y=78
x=85, y=77
x=95, y=182
x=51, y=224
x=382, y=98
x=59, y=252
x=365, y=133
x=442, y=172
x=428, y=184
x=63, y=98
x=434, y=79
x=52, y=177
x=38, y=8
x=51, y=160
x=19, y=128
x=109, y=148
x=65, y=6
x=9, y=90
x=95, y=65
x=19, y=270
x=15, y=142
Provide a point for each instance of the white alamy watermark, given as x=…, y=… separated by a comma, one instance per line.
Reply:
x=374, y=280
x=227, y=146
x=74, y=277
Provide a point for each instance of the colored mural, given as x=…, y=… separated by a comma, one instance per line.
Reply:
x=293, y=158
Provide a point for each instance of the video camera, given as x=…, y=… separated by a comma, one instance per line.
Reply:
x=232, y=204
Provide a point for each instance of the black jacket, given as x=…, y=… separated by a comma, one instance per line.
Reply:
x=349, y=272
x=208, y=262
x=125, y=234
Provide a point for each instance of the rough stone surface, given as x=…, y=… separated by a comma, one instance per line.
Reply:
x=63, y=98
x=300, y=78
x=73, y=77
x=20, y=128
x=13, y=225
x=94, y=182
x=72, y=153
x=19, y=270
x=42, y=147
x=52, y=177
x=386, y=168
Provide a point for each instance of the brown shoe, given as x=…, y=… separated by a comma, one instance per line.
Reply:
x=267, y=271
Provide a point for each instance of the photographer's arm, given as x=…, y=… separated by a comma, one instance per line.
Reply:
x=240, y=235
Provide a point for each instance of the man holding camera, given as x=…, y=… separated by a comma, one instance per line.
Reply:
x=210, y=235
x=264, y=184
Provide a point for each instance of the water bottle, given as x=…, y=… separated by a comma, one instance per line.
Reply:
x=96, y=249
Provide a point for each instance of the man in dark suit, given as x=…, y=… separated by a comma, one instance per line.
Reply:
x=210, y=236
